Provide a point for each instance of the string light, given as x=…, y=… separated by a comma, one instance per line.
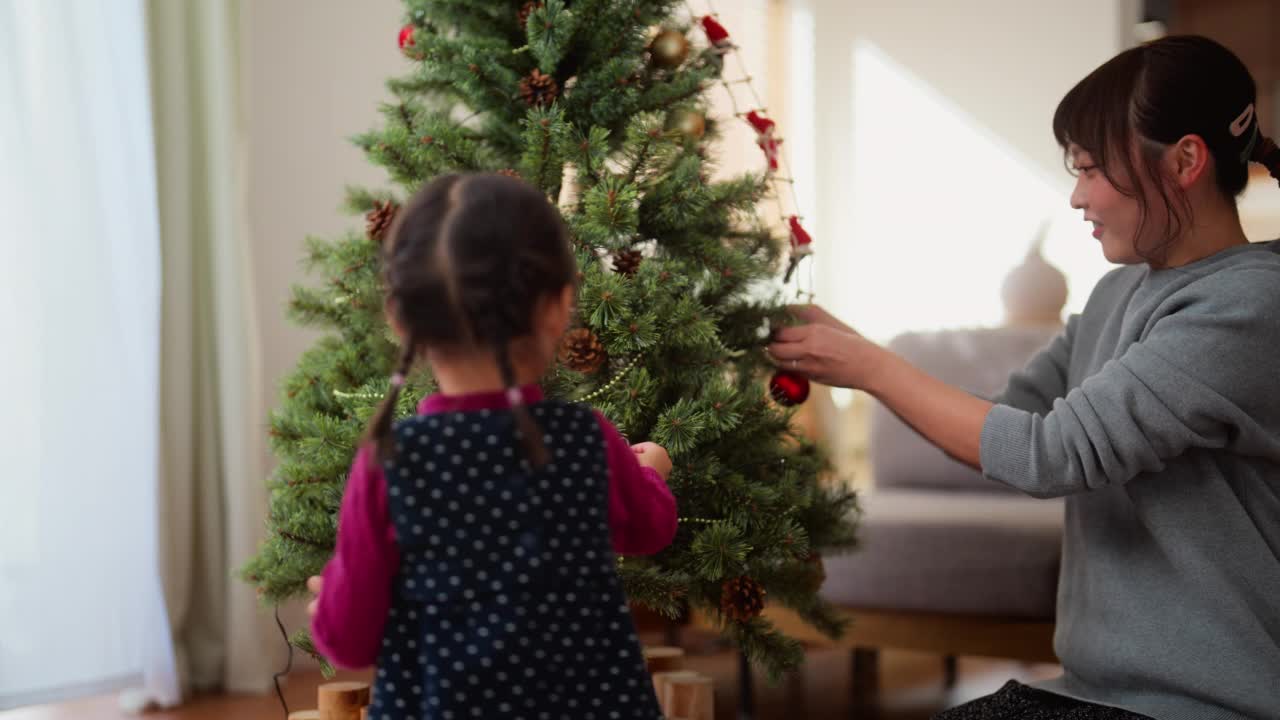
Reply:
x=356, y=395
x=635, y=359
x=702, y=521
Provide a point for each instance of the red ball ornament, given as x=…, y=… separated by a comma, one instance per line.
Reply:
x=789, y=388
x=406, y=37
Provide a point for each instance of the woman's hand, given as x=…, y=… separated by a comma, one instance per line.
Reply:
x=826, y=350
x=832, y=353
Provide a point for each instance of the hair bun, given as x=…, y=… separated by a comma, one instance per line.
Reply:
x=1266, y=153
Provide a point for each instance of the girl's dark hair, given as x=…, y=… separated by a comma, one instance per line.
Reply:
x=1152, y=95
x=465, y=264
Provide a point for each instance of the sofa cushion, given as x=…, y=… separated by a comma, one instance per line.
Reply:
x=966, y=553
x=978, y=360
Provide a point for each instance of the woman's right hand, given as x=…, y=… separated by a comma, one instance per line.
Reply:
x=653, y=455
x=826, y=350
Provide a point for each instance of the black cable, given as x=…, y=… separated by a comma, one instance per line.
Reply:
x=288, y=666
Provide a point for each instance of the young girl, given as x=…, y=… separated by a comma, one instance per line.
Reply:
x=475, y=553
x=1156, y=412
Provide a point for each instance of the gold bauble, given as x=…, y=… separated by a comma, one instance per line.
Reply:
x=669, y=49
x=688, y=123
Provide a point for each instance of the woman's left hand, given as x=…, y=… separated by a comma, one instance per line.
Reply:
x=826, y=354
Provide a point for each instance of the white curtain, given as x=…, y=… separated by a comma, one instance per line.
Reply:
x=213, y=423
x=81, y=608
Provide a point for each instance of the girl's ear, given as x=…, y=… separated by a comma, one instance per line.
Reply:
x=561, y=310
x=1187, y=160
x=569, y=298
x=552, y=316
x=389, y=309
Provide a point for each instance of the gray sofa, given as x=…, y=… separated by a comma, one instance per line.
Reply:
x=937, y=536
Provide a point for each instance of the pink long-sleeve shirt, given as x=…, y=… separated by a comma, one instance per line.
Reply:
x=356, y=593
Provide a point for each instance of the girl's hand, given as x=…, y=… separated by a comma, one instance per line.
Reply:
x=832, y=354
x=815, y=315
x=314, y=583
x=654, y=456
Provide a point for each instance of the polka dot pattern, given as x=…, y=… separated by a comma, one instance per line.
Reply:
x=507, y=604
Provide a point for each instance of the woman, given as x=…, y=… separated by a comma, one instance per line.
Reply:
x=1156, y=413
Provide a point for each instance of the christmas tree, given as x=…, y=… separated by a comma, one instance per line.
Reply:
x=602, y=105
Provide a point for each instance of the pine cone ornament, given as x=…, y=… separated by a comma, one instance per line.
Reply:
x=525, y=11
x=627, y=262
x=581, y=351
x=538, y=90
x=741, y=599
x=379, y=219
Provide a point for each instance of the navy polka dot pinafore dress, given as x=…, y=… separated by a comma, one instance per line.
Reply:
x=507, y=604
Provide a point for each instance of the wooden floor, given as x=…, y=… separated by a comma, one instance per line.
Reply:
x=911, y=689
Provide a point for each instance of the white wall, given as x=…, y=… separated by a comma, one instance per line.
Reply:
x=313, y=73
x=936, y=161
x=1004, y=62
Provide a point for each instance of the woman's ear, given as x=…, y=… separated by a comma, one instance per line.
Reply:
x=1188, y=159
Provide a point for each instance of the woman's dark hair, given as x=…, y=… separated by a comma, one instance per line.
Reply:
x=1152, y=95
x=465, y=264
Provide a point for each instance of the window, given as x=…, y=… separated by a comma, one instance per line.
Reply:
x=79, y=316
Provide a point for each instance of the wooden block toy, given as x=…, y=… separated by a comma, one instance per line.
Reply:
x=663, y=659
x=660, y=680
x=343, y=700
x=688, y=697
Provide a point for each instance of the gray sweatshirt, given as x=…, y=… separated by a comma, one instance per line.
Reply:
x=1157, y=414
